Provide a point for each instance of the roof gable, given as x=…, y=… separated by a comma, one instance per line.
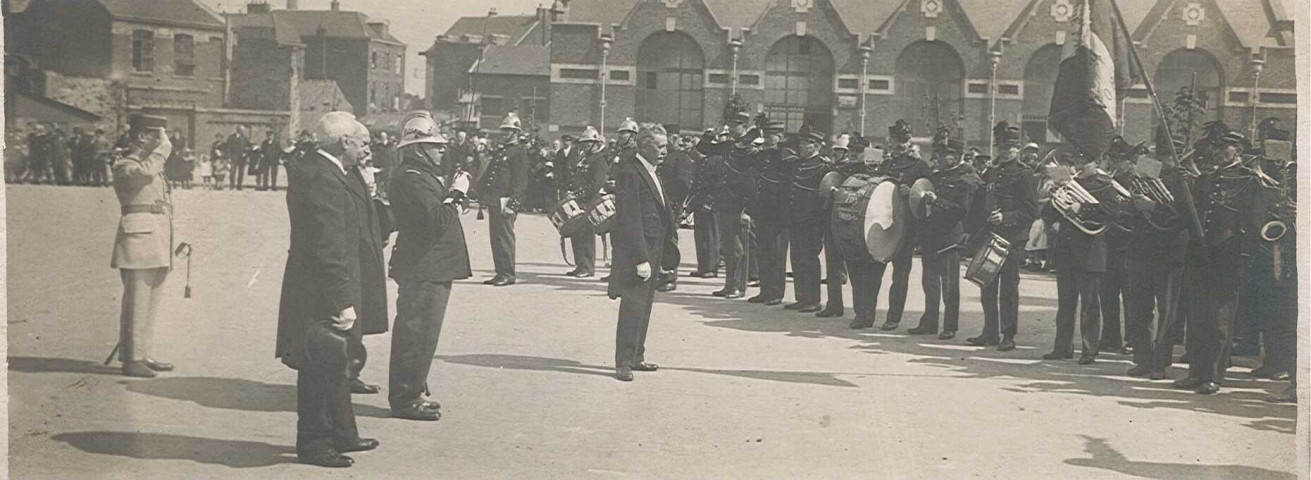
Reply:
x=513, y=26
x=180, y=12
x=514, y=60
x=991, y=18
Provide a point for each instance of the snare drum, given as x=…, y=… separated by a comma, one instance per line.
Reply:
x=987, y=261
x=602, y=214
x=568, y=217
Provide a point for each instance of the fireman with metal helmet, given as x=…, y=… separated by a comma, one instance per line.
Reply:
x=502, y=189
x=586, y=181
x=429, y=255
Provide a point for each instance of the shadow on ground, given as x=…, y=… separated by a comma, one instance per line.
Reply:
x=1105, y=457
x=559, y=365
x=159, y=446
x=233, y=394
x=59, y=365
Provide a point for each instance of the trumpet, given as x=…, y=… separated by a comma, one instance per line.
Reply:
x=1073, y=201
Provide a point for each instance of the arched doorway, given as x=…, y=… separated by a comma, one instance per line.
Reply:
x=1176, y=71
x=799, y=83
x=670, y=69
x=930, y=79
x=1039, y=83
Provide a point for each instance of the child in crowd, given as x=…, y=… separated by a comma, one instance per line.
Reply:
x=206, y=173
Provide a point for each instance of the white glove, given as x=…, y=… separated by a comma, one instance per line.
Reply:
x=345, y=320
x=644, y=270
x=461, y=182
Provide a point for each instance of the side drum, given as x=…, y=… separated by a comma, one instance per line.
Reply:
x=602, y=214
x=987, y=262
x=568, y=217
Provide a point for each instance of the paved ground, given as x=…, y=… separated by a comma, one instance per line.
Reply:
x=523, y=374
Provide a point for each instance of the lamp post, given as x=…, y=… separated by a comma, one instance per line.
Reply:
x=1258, y=64
x=865, y=51
x=736, y=46
x=994, y=59
x=606, y=40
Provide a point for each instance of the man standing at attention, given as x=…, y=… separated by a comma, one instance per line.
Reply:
x=502, y=189
x=645, y=238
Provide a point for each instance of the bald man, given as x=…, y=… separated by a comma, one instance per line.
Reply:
x=333, y=290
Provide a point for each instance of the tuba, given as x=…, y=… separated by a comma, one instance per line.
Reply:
x=1073, y=201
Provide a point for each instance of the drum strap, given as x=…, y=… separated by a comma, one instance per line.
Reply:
x=564, y=254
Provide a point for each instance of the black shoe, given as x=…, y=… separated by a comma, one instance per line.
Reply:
x=1109, y=346
x=571, y=273
x=859, y=324
x=757, y=299
x=812, y=308
x=831, y=311
x=604, y=279
x=794, y=306
x=492, y=280
x=735, y=294
x=721, y=293
x=753, y=283
x=584, y=275
x=1126, y=349
x=624, y=374
x=359, y=445
x=645, y=367
x=358, y=386
x=1269, y=372
x=328, y=458
x=158, y=366
x=503, y=282
x=706, y=275
x=1087, y=359
x=923, y=330
x=982, y=341
x=138, y=369
x=946, y=335
x=1057, y=356
x=1289, y=395
x=1157, y=375
x=1007, y=344
x=772, y=301
x=668, y=287
x=1207, y=388
x=1188, y=383
x=1139, y=371
x=416, y=412
x=890, y=326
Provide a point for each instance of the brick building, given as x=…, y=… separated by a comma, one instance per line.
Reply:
x=358, y=53
x=454, y=53
x=853, y=65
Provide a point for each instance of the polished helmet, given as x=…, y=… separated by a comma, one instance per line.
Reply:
x=419, y=127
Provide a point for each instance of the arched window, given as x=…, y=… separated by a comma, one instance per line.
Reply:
x=1176, y=71
x=929, y=80
x=799, y=83
x=670, y=68
x=1039, y=83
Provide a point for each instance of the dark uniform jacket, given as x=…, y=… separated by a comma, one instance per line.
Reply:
x=1073, y=249
x=804, y=202
x=644, y=229
x=589, y=174
x=335, y=259
x=741, y=168
x=706, y=183
x=954, y=188
x=776, y=167
x=430, y=245
x=1162, y=234
x=506, y=175
x=676, y=175
x=1232, y=202
x=1011, y=189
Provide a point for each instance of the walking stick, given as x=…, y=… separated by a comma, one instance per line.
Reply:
x=184, y=248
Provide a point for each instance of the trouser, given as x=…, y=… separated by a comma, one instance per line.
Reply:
x=941, y=279
x=1003, y=292
x=1280, y=335
x=98, y=176
x=734, y=246
x=501, y=226
x=1152, y=287
x=705, y=232
x=325, y=416
x=634, y=318
x=866, y=280
x=807, y=240
x=420, y=309
x=238, y=177
x=273, y=176
x=901, y=264
x=1213, y=306
x=835, y=269
x=753, y=260
x=1113, y=283
x=1078, y=291
x=772, y=239
x=142, y=289
x=584, y=245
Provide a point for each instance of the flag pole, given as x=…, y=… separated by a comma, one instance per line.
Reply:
x=1160, y=113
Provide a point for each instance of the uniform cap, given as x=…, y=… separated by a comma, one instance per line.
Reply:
x=775, y=126
x=142, y=120
x=814, y=136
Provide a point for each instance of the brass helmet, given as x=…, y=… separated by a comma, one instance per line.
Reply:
x=511, y=122
x=628, y=125
x=589, y=135
x=419, y=127
x=842, y=143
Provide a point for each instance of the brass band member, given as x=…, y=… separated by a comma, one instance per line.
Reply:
x=769, y=224
x=1008, y=208
x=905, y=166
x=954, y=183
x=739, y=160
x=848, y=153
x=805, y=220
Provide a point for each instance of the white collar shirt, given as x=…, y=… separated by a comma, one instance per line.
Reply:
x=651, y=169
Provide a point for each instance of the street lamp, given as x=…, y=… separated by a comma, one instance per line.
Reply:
x=865, y=50
x=994, y=59
x=606, y=40
x=1258, y=64
x=736, y=46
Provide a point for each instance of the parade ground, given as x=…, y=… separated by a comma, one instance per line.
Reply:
x=524, y=376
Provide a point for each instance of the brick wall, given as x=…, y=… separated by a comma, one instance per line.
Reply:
x=96, y=95
x=262, y=74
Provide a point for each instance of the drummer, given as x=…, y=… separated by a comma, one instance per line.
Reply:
x=903, y=166
x=945, y=201
x=586, y=179
x=1008, y=207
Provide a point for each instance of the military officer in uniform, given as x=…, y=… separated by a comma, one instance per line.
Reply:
x=1008, y=208
x=588, y=177
x=503, y=188
x=143, y=246
x=806, y=222
x=768, y=222
x=706, y=182
x=954, y=183
x=1231, y=200
x=904, y=166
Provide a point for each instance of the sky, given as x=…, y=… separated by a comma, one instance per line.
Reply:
x=415, y=22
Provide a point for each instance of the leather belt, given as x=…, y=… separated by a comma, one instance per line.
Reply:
x=157, y=209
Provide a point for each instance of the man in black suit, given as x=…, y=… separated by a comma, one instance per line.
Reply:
x=430, y=253
x=645, y=242
x=503, y=189
x=333, y=290
x=238, y=151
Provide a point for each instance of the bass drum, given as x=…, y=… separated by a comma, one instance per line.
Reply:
x=885, y=221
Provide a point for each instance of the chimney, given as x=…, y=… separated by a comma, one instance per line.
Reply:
x=293, y=5
x=543, y=20
x=257, y=6
x=336, y=5
x=380, y=27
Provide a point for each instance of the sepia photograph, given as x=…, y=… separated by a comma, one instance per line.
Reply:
x=654, y=239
